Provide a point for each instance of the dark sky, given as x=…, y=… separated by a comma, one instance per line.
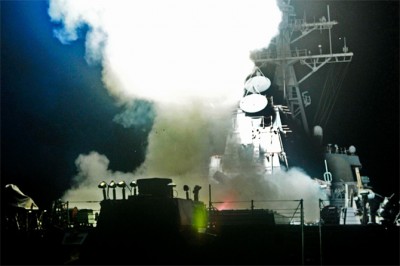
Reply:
x=54, y=106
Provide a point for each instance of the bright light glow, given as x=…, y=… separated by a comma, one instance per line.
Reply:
x=102, y=185
x=199, y=219
x=170, y=51
x=190, y=58
x=121, y=184
x=244, y=127
x=112, y=184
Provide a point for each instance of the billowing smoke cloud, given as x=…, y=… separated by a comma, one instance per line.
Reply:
x=179, y=63
x=92, y=169
x=169, y=51
x=137, y=113
x=280, y=191
x=188, y=58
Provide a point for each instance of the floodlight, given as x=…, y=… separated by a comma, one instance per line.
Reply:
x=134, y=186
x=113, y=185
x=196, y=192
x=103, y=186
x=122, y=185
x=186, y=189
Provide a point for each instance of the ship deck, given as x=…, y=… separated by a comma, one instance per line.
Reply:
x=232, y=244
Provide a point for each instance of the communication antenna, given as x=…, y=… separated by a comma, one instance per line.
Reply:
x=284, y=57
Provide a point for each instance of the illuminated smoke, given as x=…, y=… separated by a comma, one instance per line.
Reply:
x=92, y=169
x=181, y=64
x=136, y=113
x=170, y=51
x=188, y=58
x=282, y=191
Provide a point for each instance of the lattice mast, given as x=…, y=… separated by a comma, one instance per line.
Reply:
x=284, y=58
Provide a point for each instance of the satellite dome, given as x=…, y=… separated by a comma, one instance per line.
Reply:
x=257, y=84
x=317, y=131
x=253, y=103
x=352, y=149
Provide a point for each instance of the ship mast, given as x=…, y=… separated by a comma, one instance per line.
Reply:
x=284, y=58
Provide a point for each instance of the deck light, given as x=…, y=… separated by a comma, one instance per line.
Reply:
x=122, y=185
x=186, y=189
x=134, y=186
x=196, y=192
x=113, y=185
x=103, y=186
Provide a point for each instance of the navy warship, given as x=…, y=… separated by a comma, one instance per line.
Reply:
x=151, y=225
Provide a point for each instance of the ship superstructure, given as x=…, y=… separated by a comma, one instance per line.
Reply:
x=284, y=56
x=257, y=125
x=256, y=133
x=351, y=198
x=155, y=226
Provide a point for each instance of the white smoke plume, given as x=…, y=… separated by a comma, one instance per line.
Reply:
x=170, y=51
x=92, y=169
x=188, y=59
x=279, y=191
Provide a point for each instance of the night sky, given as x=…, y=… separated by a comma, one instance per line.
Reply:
x=55, y=107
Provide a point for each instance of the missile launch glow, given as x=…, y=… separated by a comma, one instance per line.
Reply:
x=188, y=58
x=170, y=51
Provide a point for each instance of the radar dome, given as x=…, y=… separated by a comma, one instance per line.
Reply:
x=352, y=149
x=253, y=103
x=257, y=84
x=317, y=131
